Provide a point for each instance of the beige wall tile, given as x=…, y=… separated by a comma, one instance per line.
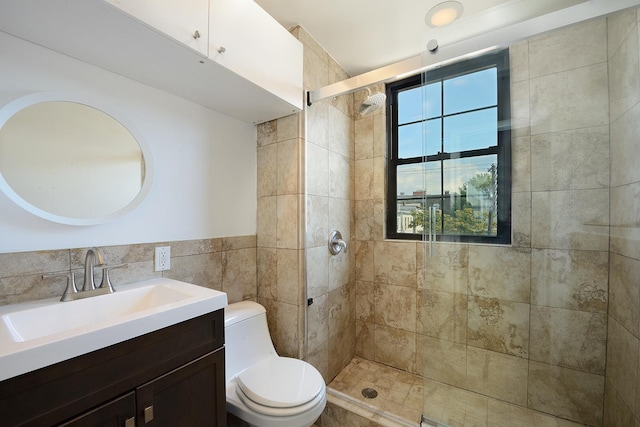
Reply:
x=570, y=99
x=237, y=242
x=447, y=271
x=442, y=315
x=569, y=338
x=267, y=133
x=395, y=263
x=339, y=176
x=30, y=287
x=317, y=170
x=288, y=127
x=315, y=69
x=519, y=61
x=499, y=325
x=339, y=271
x=317, y=220
x=624, y=288
x=266, y=221
x=567, y=160
x=442, y=360
x=340, y=133
x=568, y=48
x=365, y=339
x=619, y=25
x=340, y=213
x=575, y=280
x=19, y=263
x=624, y=143
x=287, y=222
x=287, y=278
x=395, y=306
x=363, y=137
x=267, y=170
x=622, y=361
x=521, y=164
x=341, y=308
x=521, y=220
x=388, y=341
x=317, y=125
x=497, y=375
x=364, y=174
x=318, y=321
x=287, y=170
x=624, y=79
x=341, y=349
x=267, y=273
x=239, y=274
x=566, y=393
x=576, y=219
x=317, y=269
x=202, y=270
x=616, y=411
x=500, y=272
x=364, y=260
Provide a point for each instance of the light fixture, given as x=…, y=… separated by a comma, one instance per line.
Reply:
x=443, y=14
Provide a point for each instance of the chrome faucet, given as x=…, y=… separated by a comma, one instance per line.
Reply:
x=92, y=260
x=336, y=243
x=93, y=254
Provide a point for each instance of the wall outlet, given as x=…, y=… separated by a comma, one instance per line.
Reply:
x=163, y=258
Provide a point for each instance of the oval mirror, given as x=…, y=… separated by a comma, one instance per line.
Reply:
x=70, y=161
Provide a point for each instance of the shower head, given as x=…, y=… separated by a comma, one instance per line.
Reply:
x=372, y=103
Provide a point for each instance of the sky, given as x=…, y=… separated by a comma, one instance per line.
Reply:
x=463, y=130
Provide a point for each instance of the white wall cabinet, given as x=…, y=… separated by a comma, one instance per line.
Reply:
x=250, y=42
x=187, y=21
x=257, y=78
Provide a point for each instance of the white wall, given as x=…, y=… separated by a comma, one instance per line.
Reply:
x=205, y=162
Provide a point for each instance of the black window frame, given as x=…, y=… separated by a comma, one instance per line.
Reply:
x=499, y=60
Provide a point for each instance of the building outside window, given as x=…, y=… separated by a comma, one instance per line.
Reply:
x=449, y=152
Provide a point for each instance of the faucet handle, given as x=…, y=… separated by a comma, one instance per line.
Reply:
x=106, y=281
x=71, y=284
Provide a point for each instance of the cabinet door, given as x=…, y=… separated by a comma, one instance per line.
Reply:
x=192, y=395
x=248, y=41
x=179, y=19
x=120, y=412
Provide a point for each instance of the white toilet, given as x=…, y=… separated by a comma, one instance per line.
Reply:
x=264, y=389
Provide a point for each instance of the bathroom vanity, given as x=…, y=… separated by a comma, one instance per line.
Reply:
x=170, y=376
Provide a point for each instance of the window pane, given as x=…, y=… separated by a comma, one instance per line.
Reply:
x=471, y=131
x=470, y=197
x=418, y=179
x=410, y=142
x=411, y=103
x=417, y=184
x=471, y=91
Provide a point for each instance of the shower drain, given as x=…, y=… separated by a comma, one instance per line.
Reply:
x=369, y=393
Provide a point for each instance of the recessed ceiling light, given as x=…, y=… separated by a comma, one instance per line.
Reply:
x=443, y=14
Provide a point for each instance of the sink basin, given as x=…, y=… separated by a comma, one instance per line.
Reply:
x=40, y=333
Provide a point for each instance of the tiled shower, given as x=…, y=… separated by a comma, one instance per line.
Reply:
x=550, y=322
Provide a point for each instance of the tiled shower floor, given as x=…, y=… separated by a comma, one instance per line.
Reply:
x=400, y=394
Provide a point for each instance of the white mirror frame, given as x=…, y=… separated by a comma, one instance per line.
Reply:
x=7, y=111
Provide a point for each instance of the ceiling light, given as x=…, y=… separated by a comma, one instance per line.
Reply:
x=443, y=14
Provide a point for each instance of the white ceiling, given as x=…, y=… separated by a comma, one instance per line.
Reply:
x=363, y=35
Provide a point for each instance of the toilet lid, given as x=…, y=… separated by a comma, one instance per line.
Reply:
x=281, y=382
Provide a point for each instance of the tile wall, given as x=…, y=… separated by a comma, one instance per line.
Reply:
x=524, y=323
x=622, y=387
x=226, y=264
x=305, y=190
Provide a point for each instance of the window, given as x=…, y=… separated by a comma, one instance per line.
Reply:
x=449, y=150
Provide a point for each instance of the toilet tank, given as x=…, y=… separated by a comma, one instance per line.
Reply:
x=247, y=339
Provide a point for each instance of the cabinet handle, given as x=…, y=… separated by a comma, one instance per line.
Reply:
x=222, y=49
x=196, y=35
x=130, y=422
x=148, y=414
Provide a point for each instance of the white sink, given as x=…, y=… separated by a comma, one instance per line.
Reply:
x=40, y=333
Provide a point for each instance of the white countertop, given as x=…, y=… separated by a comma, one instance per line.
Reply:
x=40, y=333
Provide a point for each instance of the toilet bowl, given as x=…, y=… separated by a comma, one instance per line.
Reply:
x=264, y=389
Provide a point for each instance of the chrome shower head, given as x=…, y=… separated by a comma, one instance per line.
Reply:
x=372, y=103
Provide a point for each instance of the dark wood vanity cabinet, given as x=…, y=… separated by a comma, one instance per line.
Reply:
x=171, y=377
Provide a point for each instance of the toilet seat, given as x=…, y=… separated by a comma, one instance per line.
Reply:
x=280, y=386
